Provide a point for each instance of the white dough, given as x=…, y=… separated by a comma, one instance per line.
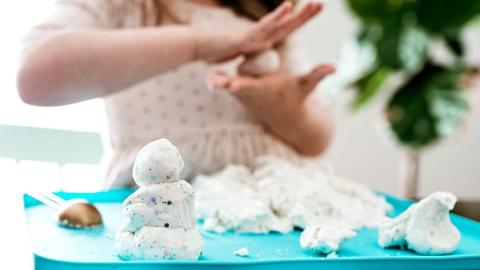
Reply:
x=424, y=227
x=220, y=209
x=126, y=247
x=159, y=218
x=260, y=64
x=324, y=239
x=155, y=243
x=157, y=205
x=157, y=162
x=279, y=196
x=242, y=252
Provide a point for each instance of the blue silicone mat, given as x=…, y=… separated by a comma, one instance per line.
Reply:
x=56, y=247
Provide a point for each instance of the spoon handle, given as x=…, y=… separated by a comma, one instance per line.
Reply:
x=41, y=198
x=54, y=198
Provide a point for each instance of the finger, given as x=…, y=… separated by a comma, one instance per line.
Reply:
x=243, y=85
x=282, y=10
x=217, y=81
x=292, y=22
x=309, y=81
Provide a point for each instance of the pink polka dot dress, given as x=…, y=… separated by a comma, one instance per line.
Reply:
x=210, y=129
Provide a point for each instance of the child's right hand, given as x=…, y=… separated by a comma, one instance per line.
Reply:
x=262, y=35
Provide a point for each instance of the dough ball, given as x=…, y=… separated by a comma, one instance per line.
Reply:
x=260, y=64
x=169, y=205
x=157, y=162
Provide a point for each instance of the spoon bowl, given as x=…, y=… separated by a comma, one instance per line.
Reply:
x=76, y=213
x=79, y=214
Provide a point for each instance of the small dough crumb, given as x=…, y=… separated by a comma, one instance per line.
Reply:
x=332, y=255
x=242, y=252
x=324, y=239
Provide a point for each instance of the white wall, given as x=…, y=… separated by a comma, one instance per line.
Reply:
x=360, y=151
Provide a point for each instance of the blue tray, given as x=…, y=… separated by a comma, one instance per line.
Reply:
x=56, y=247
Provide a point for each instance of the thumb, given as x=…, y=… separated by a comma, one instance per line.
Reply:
x=309, y=81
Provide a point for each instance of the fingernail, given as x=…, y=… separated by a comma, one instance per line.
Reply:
x=316, y=6
x=287, y=4
x=328, y=69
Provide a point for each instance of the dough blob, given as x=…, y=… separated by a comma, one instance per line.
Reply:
x=263, y=63
x=424, y=227
x=324, y=239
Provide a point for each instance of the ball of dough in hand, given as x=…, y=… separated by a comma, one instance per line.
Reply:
x=265, y=62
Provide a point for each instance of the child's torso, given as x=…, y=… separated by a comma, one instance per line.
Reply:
x=210, y=129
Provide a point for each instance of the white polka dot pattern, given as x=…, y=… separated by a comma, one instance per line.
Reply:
x=210, y=129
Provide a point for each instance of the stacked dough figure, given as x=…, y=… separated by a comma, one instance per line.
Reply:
x=159, y=218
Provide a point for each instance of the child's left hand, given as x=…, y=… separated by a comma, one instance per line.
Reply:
x=270, y=91
x=279, y=101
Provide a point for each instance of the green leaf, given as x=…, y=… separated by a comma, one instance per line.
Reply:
x=389, y=43
x=403, y=45
x=439, y=16
x=370, y=10
x=429, y=107
x=454, y=44
x=448, y=108
x=413, y=48
x=368, y=86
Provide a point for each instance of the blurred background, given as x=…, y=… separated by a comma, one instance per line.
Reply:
x=36, y=144
x=360, y=150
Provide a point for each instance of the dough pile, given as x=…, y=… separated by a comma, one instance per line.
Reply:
x=324, y=239
x=424, y=227
x=159, y=218
x=279, y=196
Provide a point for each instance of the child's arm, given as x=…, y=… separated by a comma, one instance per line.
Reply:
x=284, y=103
x=84, y=63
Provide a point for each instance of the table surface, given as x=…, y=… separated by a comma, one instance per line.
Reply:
x=95, y=246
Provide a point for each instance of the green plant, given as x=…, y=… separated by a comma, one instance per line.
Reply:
x=430, y=104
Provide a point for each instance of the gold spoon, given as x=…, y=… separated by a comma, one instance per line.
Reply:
x=76, y=213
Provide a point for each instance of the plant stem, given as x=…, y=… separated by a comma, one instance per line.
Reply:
x=409, y=172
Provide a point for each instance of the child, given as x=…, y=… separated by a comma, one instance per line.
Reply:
x=163, y=69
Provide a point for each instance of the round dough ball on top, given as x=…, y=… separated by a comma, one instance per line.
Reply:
x=157, y=162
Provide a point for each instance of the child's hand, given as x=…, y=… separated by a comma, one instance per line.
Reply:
x=273, y=90
x=279, y=100
x=262, y=35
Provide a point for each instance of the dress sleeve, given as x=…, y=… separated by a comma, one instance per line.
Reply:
x=101, y=14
